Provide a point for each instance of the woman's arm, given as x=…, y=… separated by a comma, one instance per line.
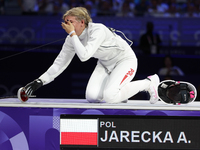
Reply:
x=59, y=65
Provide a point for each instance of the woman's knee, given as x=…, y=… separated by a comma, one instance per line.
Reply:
x=109, y=96
x=92, y=97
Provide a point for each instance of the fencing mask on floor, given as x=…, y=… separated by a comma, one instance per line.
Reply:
x=176, y=92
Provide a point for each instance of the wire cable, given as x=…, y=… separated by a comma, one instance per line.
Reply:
x=114, y=30
x=30, y=49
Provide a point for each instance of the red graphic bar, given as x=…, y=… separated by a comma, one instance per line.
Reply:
x=79, y=138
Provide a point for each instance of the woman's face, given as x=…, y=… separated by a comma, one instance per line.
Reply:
x=79, y=26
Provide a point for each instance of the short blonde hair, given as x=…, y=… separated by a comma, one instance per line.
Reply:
x=80, y=13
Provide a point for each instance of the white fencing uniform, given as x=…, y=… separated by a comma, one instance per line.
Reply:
x=116, y=67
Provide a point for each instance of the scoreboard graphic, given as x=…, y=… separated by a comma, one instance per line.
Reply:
x=146, y=132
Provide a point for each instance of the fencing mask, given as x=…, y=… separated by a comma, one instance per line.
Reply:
x=173, y=92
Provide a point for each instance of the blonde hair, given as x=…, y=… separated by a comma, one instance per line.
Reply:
x=80, y=13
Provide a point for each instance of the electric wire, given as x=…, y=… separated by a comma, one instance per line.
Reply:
x=30, y=49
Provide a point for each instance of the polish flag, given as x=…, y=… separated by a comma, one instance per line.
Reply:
x=78, y=131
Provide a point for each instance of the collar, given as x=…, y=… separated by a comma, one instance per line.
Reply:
x=82, y=36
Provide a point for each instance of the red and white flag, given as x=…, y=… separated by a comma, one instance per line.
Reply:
x=78, y=131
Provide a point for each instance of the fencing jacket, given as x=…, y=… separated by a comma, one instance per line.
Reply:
x=95, y=41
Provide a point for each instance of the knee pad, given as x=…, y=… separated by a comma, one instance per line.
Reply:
x=173, y=92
